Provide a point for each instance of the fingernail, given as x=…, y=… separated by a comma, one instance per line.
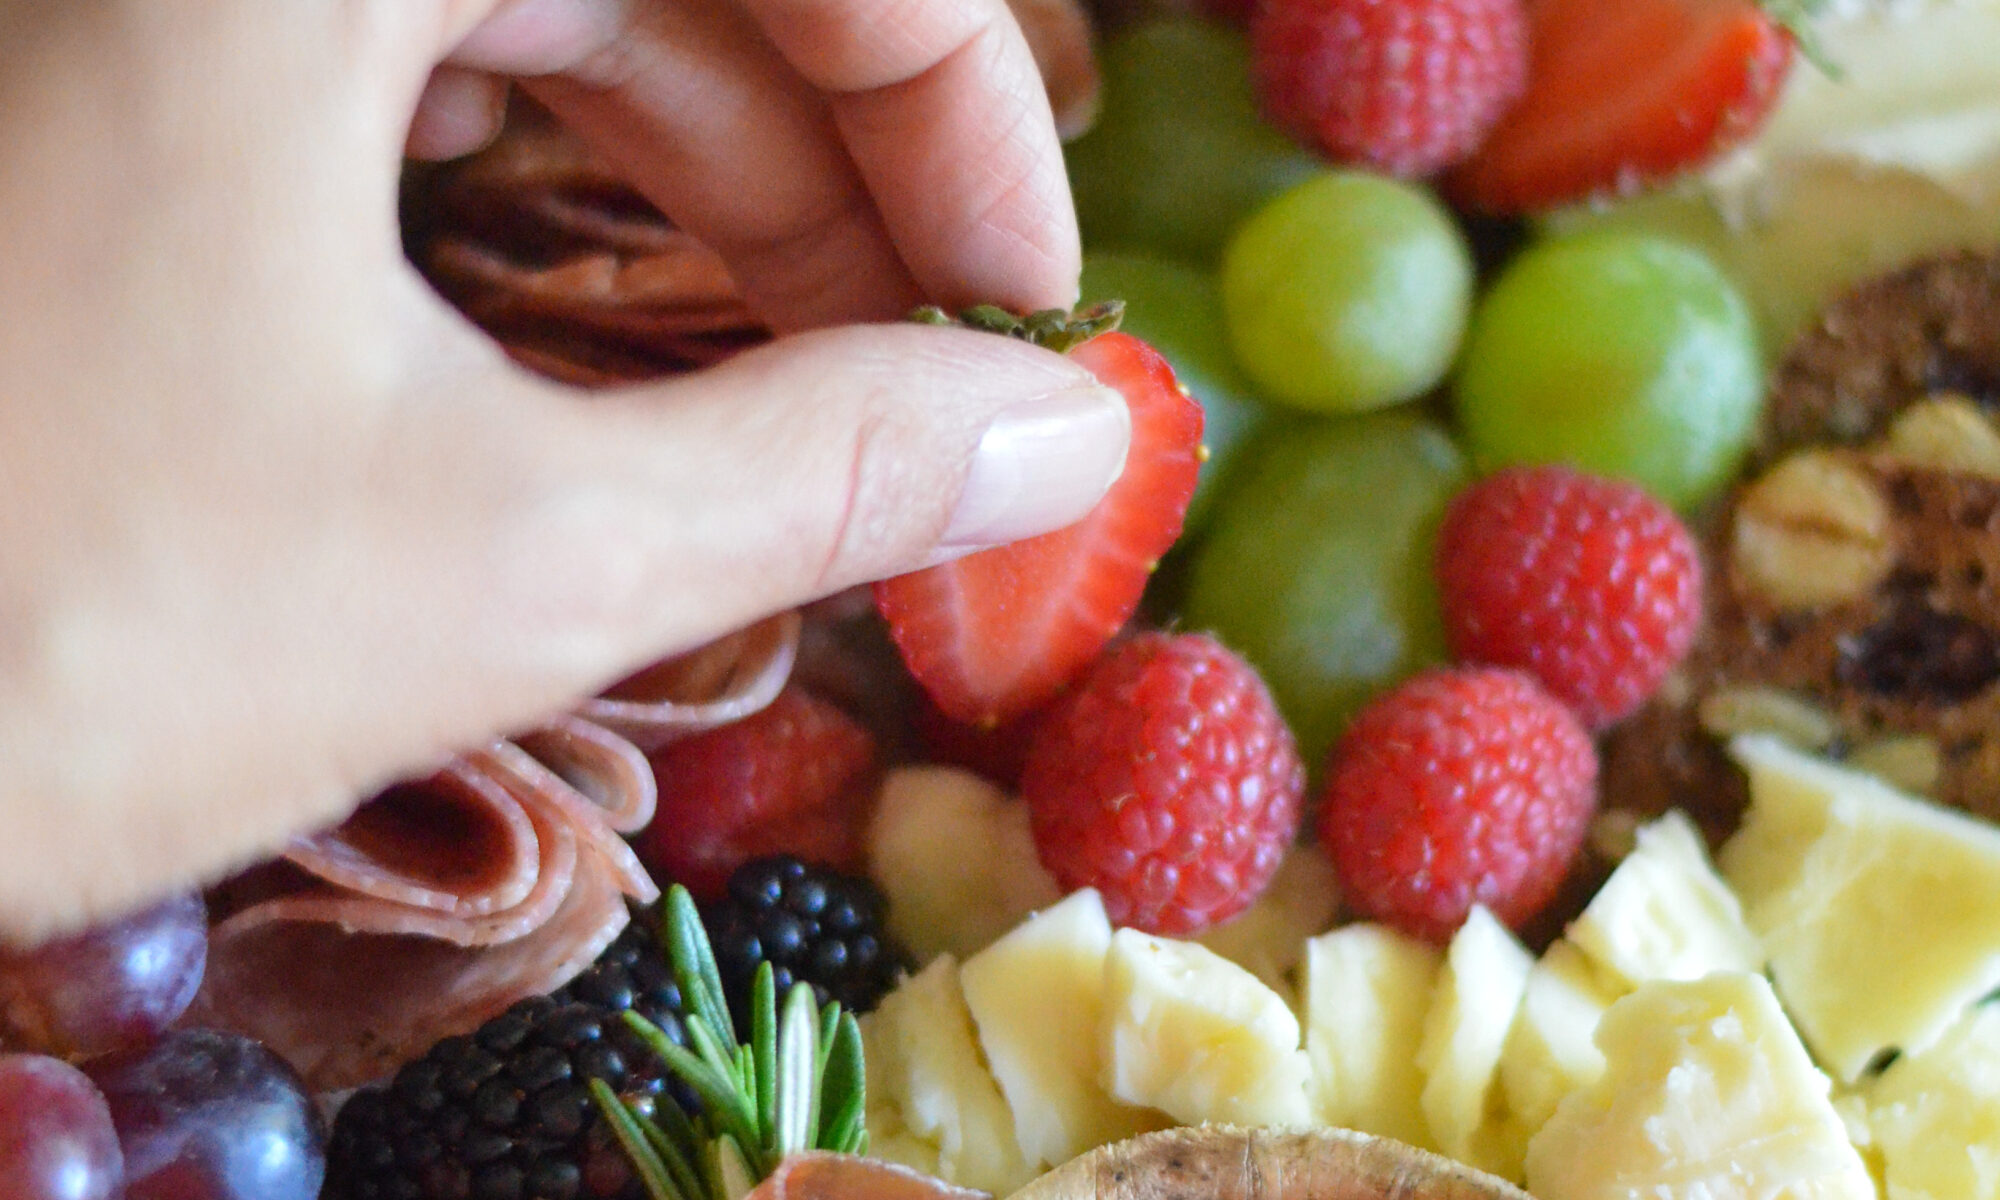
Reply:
x=1041, y=465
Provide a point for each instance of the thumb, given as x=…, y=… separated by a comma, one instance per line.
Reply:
x=670, y=514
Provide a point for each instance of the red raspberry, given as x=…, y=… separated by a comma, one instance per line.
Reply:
x=1404, y=86
x=1459, y=787
x=1590, y=585
x=1167, y=781
x=796, y=778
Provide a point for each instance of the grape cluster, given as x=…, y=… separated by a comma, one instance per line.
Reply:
x=144, y=1113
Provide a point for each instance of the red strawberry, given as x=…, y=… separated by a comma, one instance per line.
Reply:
x=998, y=633
x=795, y=778
x=1622, y=93
x=1459, y=787
x=1167, y=781
x=1590, y=585
x=1404, y=86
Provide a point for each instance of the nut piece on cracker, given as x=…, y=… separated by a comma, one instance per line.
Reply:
x=1854, y=597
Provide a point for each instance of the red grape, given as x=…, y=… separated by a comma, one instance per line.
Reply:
x=212, y=1116
x=107, y=988
x=56, y=1138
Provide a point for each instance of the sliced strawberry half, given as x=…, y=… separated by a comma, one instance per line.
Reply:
x=996, y=634
x=1622, y=93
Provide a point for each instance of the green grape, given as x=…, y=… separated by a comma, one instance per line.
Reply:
x=1178, y=155
x=1348, y=292
x=1618, y=353
x=1177, y=310
x=1317, y=563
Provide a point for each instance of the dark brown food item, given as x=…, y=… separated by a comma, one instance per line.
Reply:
x=1853, y=599
x=1932, y=327
x=568, y=267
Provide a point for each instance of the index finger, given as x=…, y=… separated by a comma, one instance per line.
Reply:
x=944, y=113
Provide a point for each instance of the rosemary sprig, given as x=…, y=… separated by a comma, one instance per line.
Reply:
x=798, y=1084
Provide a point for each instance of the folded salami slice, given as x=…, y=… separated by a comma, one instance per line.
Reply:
x=347, y=1007
x=443, y=900
x=736, y=676
x=369, y=903
x=456, y=843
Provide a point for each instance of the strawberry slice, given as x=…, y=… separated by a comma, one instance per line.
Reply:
x=1622, y=93
x=996, y=634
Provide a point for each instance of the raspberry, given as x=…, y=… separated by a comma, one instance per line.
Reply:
x=795, y=778
x=1167, y=781
x=1590, y=585
x=1404, y=86
x=1459, y=787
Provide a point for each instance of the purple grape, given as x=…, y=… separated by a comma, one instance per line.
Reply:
x=56, y=1139
x=109, y=987
x=212, y=1116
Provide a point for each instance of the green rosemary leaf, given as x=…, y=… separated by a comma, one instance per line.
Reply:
x=724, y=1106
x=764, y=1045
x=829, y=1024
x=707, y=1044
x=798, y=1084
x=846, y=1132
x=734, y=1175
x=627, y=1129
x=694, y=965
x=843, y=1085
x=678, y=1144
x=798, y=1063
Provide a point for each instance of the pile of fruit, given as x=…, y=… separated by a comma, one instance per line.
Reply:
x=1243, y=800
x=103, y=1097
x=1645, y=1050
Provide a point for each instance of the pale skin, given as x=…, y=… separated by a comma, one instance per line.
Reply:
x=280, y=527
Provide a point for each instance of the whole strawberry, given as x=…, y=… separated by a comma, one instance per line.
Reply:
x=795, y=778
x=997, y=634
x=1168, y=782
x=1459, y=787
x=1590, y=585
x=1408, y=87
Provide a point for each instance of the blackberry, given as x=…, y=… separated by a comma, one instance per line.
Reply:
x=812, y=924
x=503, y=1113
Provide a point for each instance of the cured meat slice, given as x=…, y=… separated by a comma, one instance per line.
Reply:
x=442, y=901
x=457, y=843
x=818, y=1175
x=606, y=768
x=545, y=793
x=724, y=681
x=552, y=838
x=345, y=1008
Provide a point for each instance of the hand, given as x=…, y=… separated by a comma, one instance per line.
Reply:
x=279, y=526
